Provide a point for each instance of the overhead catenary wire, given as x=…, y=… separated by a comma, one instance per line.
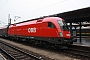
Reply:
x=4, y=4
x=46, y=7
x=2, y=22
x=35, y=5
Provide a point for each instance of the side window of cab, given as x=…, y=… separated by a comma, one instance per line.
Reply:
x=51, y=25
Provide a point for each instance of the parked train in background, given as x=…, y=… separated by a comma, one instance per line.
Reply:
x=52, y=30
x=84, y=32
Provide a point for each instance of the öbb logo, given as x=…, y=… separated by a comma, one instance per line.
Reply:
x=32, y=30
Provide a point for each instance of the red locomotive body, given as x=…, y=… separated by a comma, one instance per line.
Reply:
x=53, y=30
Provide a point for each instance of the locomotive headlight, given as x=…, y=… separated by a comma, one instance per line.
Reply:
x=68, y=34
x=61, y=34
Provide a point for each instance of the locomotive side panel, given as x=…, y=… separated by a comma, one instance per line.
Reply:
x=38, y=29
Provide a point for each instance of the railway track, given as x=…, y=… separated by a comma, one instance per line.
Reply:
x=81, y=51
x=20, y=54
x=77, y=51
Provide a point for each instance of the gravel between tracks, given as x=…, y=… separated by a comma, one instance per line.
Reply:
x=50, y=54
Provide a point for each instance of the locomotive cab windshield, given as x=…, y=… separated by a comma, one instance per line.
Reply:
x=63, y=25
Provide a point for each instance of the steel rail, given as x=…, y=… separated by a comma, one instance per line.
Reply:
x=18, y=53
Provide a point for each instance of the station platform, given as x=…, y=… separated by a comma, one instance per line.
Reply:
x=84, y=42
x=2, y=57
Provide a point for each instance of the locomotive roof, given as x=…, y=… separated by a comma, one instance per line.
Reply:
x=33, y=19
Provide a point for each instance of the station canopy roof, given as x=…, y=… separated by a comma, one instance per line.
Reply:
x=80, y=15
x=76, y=15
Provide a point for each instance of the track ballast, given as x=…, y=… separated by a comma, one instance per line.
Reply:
x=17, y=53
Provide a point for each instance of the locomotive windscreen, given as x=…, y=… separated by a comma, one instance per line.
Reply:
x=63, y=25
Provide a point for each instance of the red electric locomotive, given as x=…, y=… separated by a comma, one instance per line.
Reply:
x=53, y=30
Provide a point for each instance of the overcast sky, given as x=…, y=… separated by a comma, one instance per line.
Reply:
x=28, y=9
